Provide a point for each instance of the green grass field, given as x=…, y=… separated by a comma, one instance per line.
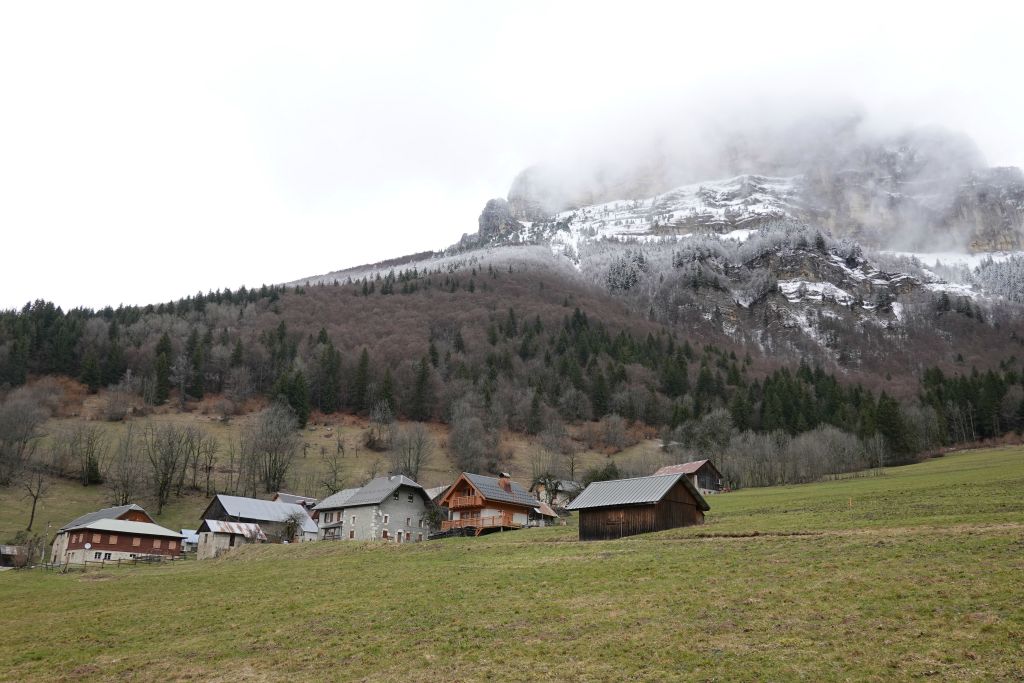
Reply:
x=916, y=574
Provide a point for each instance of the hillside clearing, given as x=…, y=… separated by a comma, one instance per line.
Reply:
x=919, y=578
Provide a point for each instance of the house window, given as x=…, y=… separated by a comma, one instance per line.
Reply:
x=408, y=521
x=410, y=497
x=351, y=533
x=353, y=519
x=421, y=522
x=171, y=545
x=106, y=556
x=328, y=516
x=231, y=541
x=386, y=517
x=113, y=539
x=157, y=542
x=384, y=534
x=396, y=495
x=96, y=556
x=96, y=538
x=137, y=541
x=419, y=537
x=132, y=555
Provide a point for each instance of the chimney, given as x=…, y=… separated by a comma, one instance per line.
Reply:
x=505, y=482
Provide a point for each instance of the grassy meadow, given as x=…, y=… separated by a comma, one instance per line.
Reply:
x=914, y=574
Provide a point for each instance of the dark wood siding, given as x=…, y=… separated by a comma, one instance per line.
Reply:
x=678, y=508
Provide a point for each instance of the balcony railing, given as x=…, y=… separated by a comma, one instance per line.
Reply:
x=457, y=502
x=502, y=520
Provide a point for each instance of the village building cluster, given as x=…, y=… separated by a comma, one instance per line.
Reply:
x=397, y=509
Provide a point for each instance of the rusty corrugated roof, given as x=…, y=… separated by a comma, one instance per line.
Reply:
x=247, y=529
x=683, y=468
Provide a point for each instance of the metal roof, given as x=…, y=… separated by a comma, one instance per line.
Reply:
x=638, y=491
x=335, y=501
x=684, y=468
x=191, y=535
x=264, y=510
x=545, y=510
x=105, y=513
x=124, y=526
x=281, y=497
x=438, y=491
x=491, y=490
x=380, y=488
x=247, y=529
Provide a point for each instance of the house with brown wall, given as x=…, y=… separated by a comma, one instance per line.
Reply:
x=480, y=504
x=118, y=539
x=130, y=512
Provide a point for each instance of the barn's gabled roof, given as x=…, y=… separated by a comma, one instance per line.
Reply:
x=686, y=467
x=490, y=489
x=437, y=491
x=105, y=513
x=637, y=491
x=336, y=501
x=375, y=492
x=264, y=510
x=126, y=526
x=682, y=468
x=282, y=497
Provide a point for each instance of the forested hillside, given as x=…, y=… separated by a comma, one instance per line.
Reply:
x=523, y=343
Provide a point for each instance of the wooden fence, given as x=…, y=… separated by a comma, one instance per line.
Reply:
x=65, y=567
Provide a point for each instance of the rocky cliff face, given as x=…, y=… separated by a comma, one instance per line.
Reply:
x=495, y=223
x=924, y=190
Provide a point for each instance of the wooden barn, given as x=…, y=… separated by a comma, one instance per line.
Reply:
x=703, y=473
x=624, y=507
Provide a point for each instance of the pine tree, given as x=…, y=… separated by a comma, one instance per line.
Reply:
x=535, y=420
x=91, y=376
x=599, y=395
x=421, y=403
x=361, y=382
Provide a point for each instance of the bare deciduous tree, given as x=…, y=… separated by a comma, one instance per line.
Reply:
x=35, y=484
x=82, y=448
x=381, y=435
x=411, y=450
x=332, y=478
x=164, y=446
x=270, y=444
x=126, y=475
x=20, y=419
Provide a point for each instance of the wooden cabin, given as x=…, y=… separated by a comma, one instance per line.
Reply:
x=625, y=507
x=702, y=473
x=479, y=504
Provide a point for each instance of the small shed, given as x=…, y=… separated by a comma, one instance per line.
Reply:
x=216, y=537
x=13, y=555
x=624, y=507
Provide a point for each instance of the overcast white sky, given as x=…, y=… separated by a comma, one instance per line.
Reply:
x=148, y=151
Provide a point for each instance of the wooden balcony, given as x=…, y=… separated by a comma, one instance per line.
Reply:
x=459, y=502
x=503, y=520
